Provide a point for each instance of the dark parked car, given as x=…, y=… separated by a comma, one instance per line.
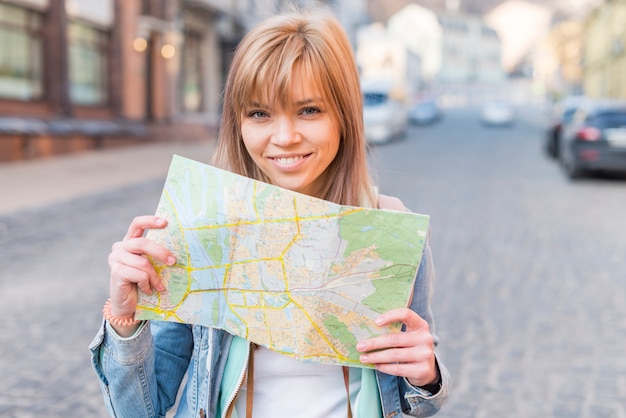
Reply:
x=595, y=140
x=562, y=113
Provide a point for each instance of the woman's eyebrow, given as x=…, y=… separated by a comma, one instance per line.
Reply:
x=304, y=102
x=258, y=104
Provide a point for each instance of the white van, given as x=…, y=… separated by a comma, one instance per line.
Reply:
x=385, y=114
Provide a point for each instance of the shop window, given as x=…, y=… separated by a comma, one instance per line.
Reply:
x=88, y=63
x=20, y=53
x=192, y=72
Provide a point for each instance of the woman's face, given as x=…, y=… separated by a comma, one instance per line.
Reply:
x=293, y=144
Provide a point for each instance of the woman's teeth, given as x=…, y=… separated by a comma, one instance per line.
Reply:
x=288, y=160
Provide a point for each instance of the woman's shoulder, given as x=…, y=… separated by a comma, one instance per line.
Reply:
x=391, y=202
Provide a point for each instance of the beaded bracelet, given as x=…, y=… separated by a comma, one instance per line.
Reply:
x=123, y=321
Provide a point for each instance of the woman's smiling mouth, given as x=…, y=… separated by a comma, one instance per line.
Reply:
x=288, y=161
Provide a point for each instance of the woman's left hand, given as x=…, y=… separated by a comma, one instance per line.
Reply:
x=409, y=353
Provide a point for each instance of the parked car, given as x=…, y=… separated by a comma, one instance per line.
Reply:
x=424, y=112
x=497, y=113
x=595, y=140
x=384, y=114
x=562, y=113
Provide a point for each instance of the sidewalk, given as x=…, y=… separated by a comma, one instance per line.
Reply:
x=37, y=183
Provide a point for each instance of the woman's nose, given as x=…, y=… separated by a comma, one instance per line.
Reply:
x=285, y=131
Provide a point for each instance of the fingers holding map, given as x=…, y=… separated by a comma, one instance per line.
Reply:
x=299, y=275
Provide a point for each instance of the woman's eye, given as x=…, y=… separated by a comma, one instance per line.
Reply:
x=257, y=114
x=310, y=110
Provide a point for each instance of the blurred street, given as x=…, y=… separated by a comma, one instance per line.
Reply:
x=529, y=297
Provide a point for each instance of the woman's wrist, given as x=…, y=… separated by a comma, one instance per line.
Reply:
x=124, y=326
x=432, y=387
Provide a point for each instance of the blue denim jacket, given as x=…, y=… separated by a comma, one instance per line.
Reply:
x=140, y=376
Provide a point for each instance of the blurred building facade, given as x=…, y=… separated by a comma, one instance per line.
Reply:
x=604, y=56
x=520, y=25
x=557, y=59
x=87, y=74
x=452, y=47
x=385, y=60
x=420, y=31
x=471, y=50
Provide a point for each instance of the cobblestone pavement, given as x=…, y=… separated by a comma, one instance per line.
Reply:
x=529, y=300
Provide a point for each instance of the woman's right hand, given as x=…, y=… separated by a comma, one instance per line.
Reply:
x=131, y=269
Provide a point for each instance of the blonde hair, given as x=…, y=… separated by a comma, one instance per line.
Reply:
x=311, y=41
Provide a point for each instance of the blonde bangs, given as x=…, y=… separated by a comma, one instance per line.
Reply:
x=269, y=81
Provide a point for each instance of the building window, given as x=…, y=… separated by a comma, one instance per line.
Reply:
x=155, y=8
x=88, y=63
x=192, y=72
x=20, y=53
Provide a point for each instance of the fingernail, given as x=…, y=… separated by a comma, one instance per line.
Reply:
x=171, y=260
x=160, y=221
x=161, y=287
x=360, y=346
x=364, y=359
x=379, y=320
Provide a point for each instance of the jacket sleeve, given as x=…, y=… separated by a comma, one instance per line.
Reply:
x=417, y=401
x=139, y=378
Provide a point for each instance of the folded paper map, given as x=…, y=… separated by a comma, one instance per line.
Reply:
x=299, y=275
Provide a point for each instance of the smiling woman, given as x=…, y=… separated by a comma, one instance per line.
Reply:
x=293, y=143
x=292, y=117
x=318, y=54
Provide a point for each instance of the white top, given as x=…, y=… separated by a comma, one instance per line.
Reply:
x=286, y=387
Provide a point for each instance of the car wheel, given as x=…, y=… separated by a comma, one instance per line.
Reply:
x=552, y=148
x=557, y=147
x=571, y=167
